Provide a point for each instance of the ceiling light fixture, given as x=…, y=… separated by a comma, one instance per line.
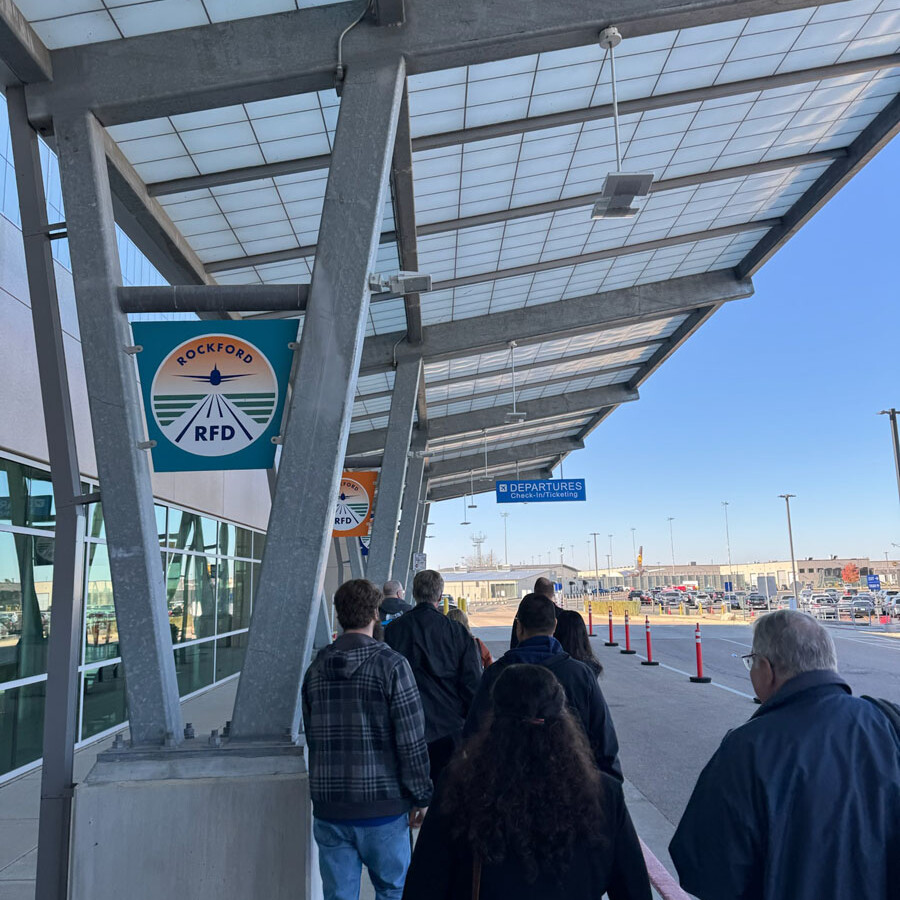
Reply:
x=514, y=417
x=620, y=189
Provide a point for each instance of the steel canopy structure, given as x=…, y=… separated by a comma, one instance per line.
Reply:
x=465, y=139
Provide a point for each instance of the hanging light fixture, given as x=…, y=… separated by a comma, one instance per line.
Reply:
x=620, y=189
x=484, y=433
x=472, y=504
x=514, y=416
x=465, y=520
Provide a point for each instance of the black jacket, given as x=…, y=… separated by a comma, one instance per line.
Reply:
x=441, y=867
x=802, y=802
x=391, y=608
x=582, y=691
x=514, y=638
x=445, y=664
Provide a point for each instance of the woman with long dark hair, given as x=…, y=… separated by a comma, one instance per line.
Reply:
x=572, y=634
x=524, y=813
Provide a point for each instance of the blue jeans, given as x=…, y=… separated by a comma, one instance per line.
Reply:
x=344, y=849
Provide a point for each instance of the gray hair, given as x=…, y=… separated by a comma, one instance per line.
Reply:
x=457, y=615
x=392, y=588
x=793, y=642
x=428, y=586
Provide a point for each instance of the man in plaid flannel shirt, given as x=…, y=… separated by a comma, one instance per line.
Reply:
x=368, y=762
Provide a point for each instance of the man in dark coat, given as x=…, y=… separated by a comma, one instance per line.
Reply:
x=544, y=587
x=445, y=663
x=535, y=624
x=802, y=802
x=393, y=606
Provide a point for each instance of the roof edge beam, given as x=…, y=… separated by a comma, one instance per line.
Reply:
x=454, y=490
x=181, y=71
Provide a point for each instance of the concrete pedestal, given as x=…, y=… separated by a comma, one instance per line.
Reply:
x=218, y=824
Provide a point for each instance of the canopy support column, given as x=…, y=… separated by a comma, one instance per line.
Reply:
x=320, y=407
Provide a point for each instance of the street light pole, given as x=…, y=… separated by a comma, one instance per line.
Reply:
x=505, y=516
x=634, y=558
x=787, y=504
x=672, y=545
x=728, y=544
x=892, y=414
x=595, y=535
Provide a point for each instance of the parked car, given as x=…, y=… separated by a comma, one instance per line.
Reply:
x=671, y=598
x=635, y=595
x=862, y=608
x=757, y=601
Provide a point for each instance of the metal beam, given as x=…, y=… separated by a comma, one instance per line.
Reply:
x=587, y=356
x=423, y=527
x=23, y=57
x=549, y=382
x=495, y=417
x=289, y=53
x=218, y=298
x=453, y=491
x=564, y=318
x=875, y=136
x=536, y=209
x=147, y=224
x=393, y=470
x=411, y=512
x=467, y=479
x=474, y=461
x=154, y=710
x=293, y=567
x=62, y=689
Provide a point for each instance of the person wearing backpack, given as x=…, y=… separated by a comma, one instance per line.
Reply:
x=801, y=802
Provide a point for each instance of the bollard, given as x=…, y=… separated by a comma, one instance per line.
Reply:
x=627, y=637
x=611, y=642
x=446, y=605
x=464, y=605
x=699, y=678
x=649, y=661
x=591, y=618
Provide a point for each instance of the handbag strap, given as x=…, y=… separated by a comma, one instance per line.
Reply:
x=476, y=877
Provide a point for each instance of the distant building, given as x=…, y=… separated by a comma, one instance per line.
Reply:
x=504, y=584
x=813, y=573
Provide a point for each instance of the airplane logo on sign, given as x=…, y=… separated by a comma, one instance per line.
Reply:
x=214, y=395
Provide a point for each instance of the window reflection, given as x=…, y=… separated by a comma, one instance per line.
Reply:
x=21, y=725
x=26, y=591
x=104, y=702
x=191, y=597
x=194, y=667
x=26, y=496
x=233, y=585
x=101, y=640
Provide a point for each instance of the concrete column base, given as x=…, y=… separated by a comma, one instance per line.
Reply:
x=230, y=823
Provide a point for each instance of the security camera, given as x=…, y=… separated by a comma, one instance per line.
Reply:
x=401, y=283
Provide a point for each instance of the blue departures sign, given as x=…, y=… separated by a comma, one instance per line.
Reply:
x=547, y=491
x=213, y=392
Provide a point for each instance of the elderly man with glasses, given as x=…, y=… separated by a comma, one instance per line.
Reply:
x=802, y=802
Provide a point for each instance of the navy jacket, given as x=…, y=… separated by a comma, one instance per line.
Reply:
x=444, y=661
x=582, y=692
x=802, y=802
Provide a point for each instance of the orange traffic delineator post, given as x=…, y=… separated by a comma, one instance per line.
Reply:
x=627, y=638
x=591, y=618
x=699, y=678
x=611, y=642
x=649, y=661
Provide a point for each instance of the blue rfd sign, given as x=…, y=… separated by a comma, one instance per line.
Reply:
x=549, y=490
x=874, y=582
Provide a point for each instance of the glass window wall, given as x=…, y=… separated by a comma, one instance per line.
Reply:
x=211, y=568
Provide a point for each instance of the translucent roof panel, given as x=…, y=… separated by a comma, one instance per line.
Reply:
x=656, y=64
x=65, y=23
x=498, y=440
x=492, y=471
x=230, y=137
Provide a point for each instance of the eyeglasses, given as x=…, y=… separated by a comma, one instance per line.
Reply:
x=747, y=660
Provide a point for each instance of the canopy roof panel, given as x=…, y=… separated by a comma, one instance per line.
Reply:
x=749, y=120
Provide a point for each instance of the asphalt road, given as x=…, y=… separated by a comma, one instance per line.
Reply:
x=668, y=727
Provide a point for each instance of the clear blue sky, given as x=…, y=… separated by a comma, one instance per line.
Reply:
x=775, y=394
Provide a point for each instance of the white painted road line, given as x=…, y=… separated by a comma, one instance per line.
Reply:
x=713, y=637
x=722, y=687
